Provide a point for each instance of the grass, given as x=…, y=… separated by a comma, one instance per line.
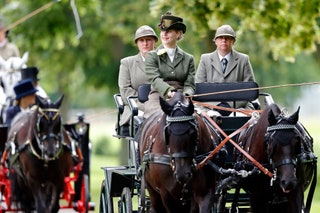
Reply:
x=103, y=131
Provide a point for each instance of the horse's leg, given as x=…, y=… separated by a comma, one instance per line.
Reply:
x=39, y=199
x=156, y=202
x=295, y=200
x=52, y=198
x=259, y=203
x=203, y=199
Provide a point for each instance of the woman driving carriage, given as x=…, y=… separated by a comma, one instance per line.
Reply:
x=169, y=68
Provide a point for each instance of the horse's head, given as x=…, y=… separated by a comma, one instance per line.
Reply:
x=49, y=129
x=180, y=135
x=283, y=142
x=14, y=63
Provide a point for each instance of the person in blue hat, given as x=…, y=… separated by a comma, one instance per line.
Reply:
x=25, y=98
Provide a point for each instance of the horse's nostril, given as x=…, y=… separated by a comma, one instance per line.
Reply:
x=288, y=185
x=185, y=178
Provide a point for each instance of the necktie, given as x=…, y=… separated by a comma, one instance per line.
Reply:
x=224, y=64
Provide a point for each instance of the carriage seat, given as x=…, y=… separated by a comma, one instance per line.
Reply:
x=229, y=124
x=136, y=120
x=120, y=130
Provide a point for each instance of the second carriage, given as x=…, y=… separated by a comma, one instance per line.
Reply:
x=76, y=194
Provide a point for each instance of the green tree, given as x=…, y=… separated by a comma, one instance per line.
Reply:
x=281, y=37
x=271, y=32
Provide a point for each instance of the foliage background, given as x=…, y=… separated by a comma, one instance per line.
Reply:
x=281, y=37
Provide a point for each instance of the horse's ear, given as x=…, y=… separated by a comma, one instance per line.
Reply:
x=272, y=118
x=59, y=102
x=25, y=57
x=165, y=106
x=41, y=102
x=293, y=119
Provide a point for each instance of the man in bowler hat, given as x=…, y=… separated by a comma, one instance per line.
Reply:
x=32, y=74
x=225, y=64
x=25, y=98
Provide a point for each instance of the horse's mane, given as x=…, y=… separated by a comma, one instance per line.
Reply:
x=272, y=109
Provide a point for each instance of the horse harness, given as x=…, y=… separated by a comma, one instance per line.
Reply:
x=150, y=157
x=15, y=149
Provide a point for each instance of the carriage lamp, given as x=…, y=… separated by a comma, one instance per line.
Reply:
x=81, y=127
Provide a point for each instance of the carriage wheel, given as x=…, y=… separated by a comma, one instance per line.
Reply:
x=105, y=200
x=125, y=205
x=85, y=196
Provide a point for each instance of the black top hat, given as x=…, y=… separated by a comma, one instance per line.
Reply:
x=24, y=88
x=30, y=72
x=169, y=22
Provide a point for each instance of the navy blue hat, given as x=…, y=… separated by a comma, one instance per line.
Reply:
x=24, y=88
x=30, y=72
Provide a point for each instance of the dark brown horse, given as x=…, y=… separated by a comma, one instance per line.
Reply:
x=171, y=144
x=283, y=145
x=40, y=157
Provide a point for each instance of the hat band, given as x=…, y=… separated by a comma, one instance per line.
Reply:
x=165, y=23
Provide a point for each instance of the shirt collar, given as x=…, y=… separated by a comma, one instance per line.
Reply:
x=226, y=57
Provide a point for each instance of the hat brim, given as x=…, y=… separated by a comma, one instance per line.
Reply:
x=146, y=36
x=225, y=34
x=26, y=94
x=176, y=26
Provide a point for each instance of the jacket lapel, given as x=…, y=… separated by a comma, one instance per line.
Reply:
x=165, y=58
x=216, y=63
x=139, y=62
x=178, y=57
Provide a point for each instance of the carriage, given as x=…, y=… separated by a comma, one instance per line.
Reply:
x=124, y=187
x=76, y=184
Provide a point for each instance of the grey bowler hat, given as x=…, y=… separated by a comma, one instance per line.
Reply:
x=225, y=30
x=143, y=31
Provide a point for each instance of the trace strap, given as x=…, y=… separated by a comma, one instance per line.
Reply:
x=228, y=138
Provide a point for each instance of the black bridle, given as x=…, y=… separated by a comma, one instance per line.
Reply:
x=271, y=131
x=172, y=119
x=50, y=115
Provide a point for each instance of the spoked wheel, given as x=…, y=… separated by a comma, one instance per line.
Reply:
x=125, y=204
x=105, y=200
x=83, y=203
